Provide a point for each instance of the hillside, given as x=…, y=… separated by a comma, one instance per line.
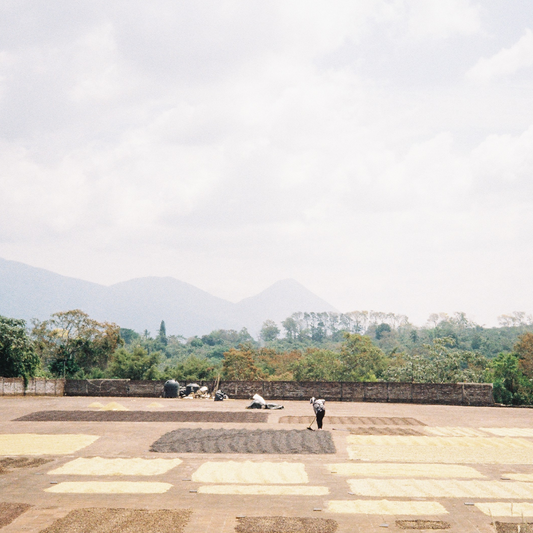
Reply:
x=28, y=292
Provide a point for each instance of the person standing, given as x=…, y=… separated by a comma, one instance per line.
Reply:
x=320, y=410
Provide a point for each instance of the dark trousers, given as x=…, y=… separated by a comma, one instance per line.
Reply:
x=319, y=417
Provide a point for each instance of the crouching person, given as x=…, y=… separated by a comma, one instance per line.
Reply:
x=320, y=410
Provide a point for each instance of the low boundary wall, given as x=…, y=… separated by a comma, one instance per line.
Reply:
x=428, y=393
x=35, y=387
x=115, y=387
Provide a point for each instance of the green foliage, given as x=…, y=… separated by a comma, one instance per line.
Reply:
x=162, y=337
x=361, y=359
x=239, y=365
x=441, y=363
x=129, y=336
x=72, y=344
x=382, y=329
x=524, y=350
x=356, y=346
x=193, y=369
x=177, y=349
x=318, y=365
x=511, y=385
x=137, y=364
x=277, y=365
x=17, y=354
x=466, y=335
x=269, y=331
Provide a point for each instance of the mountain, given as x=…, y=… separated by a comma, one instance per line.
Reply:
x=142, y=303
x=281, y=300
x=28, y=292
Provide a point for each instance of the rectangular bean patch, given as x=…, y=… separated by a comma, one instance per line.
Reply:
x=257, y=441
x=354, y=420
x=246, y=417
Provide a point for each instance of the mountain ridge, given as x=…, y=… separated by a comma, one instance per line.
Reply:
x=141, y=303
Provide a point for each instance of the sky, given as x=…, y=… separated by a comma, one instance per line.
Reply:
x=379, y=152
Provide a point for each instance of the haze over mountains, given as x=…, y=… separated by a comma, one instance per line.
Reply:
x=28, y=292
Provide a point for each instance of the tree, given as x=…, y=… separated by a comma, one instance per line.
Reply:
x=442, y=363
x=137, y=364
x=361, y=360
x=239, y=365
x=524, y=349
x=277, y=366
x=516, y=319
x=17, y=353
x=192, y=369
x=511, y=386
x=291, y=328
x=269, y=331
x=318, y=365
x=129, y=336
x=382, y=329
x=71, y=343
x=162, y=337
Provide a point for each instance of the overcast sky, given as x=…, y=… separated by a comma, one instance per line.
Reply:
x=380, y=152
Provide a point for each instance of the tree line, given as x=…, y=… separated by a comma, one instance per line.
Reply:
x=358, y=346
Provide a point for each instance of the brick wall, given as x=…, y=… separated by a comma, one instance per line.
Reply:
x=35, y=387
x=430, y=393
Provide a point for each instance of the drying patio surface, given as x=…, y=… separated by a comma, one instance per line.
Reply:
x=384, y=430
x=258, y=441
x=264, y=490
x=507, y=509
x=404, y=470
x=121, y=521
x=519, y=477
x=456, y=432
x=110, y=487
x=385, y=507
x=354, y=420
x=98, y=466
x=510, y=432
x=447, y=442
x=245, y=417
x=10, y=511
x=34, y=444
x=251, y=472
x=393, y=467
x=445, y=454
x=441, y=488
x=495, y=450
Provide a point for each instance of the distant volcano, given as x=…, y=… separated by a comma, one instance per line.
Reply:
x=28, y=292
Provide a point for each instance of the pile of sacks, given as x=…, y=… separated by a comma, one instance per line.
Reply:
x=193, y=390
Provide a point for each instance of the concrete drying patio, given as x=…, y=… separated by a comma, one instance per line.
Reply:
x=397, y=467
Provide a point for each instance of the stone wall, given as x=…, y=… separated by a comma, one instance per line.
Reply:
x=114, y=387
x=35, y=387
x=430, y=393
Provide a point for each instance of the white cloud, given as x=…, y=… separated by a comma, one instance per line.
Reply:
x=503, y=166
x=241, y=144
x=95, y=66
x=506, y=62
x=437, y=19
